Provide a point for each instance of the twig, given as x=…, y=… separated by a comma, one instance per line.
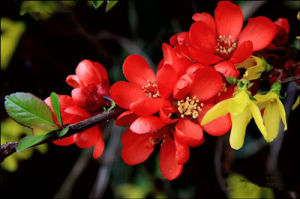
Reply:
x=11, y=147
x=218, y=164
x=290, y=79
x=67, y=186
x=107, y=160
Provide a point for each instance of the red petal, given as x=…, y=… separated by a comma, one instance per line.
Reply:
x=195, y=67
x=166, y=111
x=166, y=78
x=171, y=58
x=182, y=152
x=226, y=94
x=137, y=70
x=76, y=110
x=99, y=147
x=168, y=164
x=126, y=118
x=73, y=81
x=87, y=99
x=91, y=72
x=203, y=88
x=229, y=19
x=217, y=127
x=87, y=138
x=227, y=69
x=203, y=57
x=146, y=106
x=259, y=30
x=283, y=23
x=65, y=141
x=205, y=18
x=137, y=148
x=146, y=124
x=125, y=93
x=243, y=52
x=189, y=132
x=202, y=37
x=183, y=86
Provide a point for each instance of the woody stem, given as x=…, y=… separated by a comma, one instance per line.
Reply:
x=11, y=147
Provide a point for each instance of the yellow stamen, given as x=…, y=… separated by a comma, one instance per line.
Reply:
x=189, y=107
x=151, y=90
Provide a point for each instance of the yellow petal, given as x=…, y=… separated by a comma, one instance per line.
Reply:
x=296, y=103
x=220, y=109
x=281, y=112
x=263, y=100
x=258, y=118
x=239, y=102
x=254, y=72
x=238, y=129
x=272, y=121
x=247, y=63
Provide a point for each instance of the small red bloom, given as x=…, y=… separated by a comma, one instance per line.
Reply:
x=210, y=41
x=72, y=113
x=143, y=92
x=90, y=84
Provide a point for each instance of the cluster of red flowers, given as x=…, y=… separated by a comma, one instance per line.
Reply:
x=167, y=108
x=90, y=84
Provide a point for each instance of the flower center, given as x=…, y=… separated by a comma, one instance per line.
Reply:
x=151, y=89
x=189, y=107
x=226, y=45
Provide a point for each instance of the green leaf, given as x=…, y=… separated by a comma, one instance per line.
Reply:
x=110, y=4
x=29, y=111
x=63, y=132
x=56, y=107
x=31, y=140
x=97, y=4
x=232, y=80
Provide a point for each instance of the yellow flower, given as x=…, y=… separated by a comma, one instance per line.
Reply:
x=274, y=111
x=255, y=66
x=241, y=109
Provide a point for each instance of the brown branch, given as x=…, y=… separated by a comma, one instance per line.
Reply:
x=290, y=79
x=11, y=147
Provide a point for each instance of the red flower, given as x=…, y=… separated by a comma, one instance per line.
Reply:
x=72, y=113
x=90, y=84
x=144, y=91
x=193, y=95
x=210, y=41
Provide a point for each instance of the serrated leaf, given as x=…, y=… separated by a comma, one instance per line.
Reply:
x=56, y=106
x=29, y=111
x=110, y=4
x=31, y=140
x=63, y=132
x=97, y=4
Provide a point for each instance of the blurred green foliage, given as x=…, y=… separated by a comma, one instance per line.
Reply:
x=42, y=10
x=240, y=187
x=11, y=32
x=11, y=132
